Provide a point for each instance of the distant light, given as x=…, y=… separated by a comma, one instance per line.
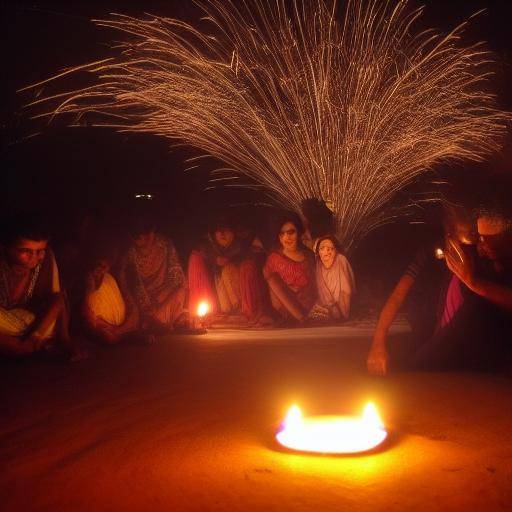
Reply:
x=144, y=196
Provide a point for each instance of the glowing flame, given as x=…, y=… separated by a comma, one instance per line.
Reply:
x=439, y=253
x=371, y=417
x=202, y=309
x=332, y=434
x=293, y=417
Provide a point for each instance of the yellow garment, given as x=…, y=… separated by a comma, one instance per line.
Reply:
x=15, y=322
x=107, y=302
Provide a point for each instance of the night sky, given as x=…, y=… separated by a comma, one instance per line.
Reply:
x=64, y=170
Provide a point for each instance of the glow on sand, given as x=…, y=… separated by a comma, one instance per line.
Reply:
x=332, y=434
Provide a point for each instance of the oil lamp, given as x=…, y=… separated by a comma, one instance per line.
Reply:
x=332, y=434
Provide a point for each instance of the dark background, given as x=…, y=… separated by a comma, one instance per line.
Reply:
x=65, y=172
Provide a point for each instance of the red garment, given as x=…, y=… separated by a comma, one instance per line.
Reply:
x=202, y=287
x=200, y=284
x=299, y=276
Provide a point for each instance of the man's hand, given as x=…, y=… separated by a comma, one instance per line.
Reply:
x=460, y=262
x=377, y=361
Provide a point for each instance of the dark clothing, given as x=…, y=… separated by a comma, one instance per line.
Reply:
x=476, y=333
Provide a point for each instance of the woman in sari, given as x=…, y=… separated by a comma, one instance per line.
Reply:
x=290, y=273
x=224, y=273
x=334, y=279
x=151, y=273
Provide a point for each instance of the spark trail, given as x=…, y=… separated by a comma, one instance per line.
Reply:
x=349, y=109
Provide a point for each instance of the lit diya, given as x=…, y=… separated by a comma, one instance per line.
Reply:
x=200, y=319
x=332, y=434
x=202, y=309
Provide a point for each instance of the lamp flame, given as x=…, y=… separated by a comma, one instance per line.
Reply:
x=332, y=434
x=202, y=309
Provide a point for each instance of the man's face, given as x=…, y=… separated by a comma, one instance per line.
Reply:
x=26, y=253
x=495, y=238
x=224, y=236
x=144, y=240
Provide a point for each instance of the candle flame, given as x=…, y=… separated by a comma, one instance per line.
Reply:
x=202, y=309
x=293, y=416
x=371, y=416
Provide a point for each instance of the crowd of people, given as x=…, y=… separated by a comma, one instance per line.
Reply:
x=142, y=290
x=457, y=292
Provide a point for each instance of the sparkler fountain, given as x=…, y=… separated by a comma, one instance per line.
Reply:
x=349, y=109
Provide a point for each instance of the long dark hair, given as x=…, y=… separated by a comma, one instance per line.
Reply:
x=280, y=221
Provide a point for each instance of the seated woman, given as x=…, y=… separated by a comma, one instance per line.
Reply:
x=33, y=309
x=110, y=317
x=151, y=273
x=334, y=280
x=223, y=272
x=290, y=272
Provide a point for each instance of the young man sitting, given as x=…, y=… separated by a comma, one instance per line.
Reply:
x=33, y=311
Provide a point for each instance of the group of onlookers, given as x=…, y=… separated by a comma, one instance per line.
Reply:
x=145, y=291
x=459, y=304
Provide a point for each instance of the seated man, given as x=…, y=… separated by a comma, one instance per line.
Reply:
x=33, y=310
x=439, y=303
x=151, y=273
x=110, y=317
x=223, y=273
x=490, y=333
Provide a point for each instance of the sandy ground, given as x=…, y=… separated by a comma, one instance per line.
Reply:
x=188, y=425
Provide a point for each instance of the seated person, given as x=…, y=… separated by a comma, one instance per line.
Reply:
x=110, y=317
x=486, y=343
x=223, y=272
x=33, y=309
x=436, y=298
x=151, y=273
x=334, y=280
x=290, y=272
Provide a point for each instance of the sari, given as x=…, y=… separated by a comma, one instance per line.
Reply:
x=231, y=288
x=155, y=280
x=336, y=285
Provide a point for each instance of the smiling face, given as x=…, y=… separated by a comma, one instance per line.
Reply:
x=27, y=254
x=288, y=236
x=327, y=252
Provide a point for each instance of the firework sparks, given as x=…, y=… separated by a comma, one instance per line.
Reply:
x=306, y=105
